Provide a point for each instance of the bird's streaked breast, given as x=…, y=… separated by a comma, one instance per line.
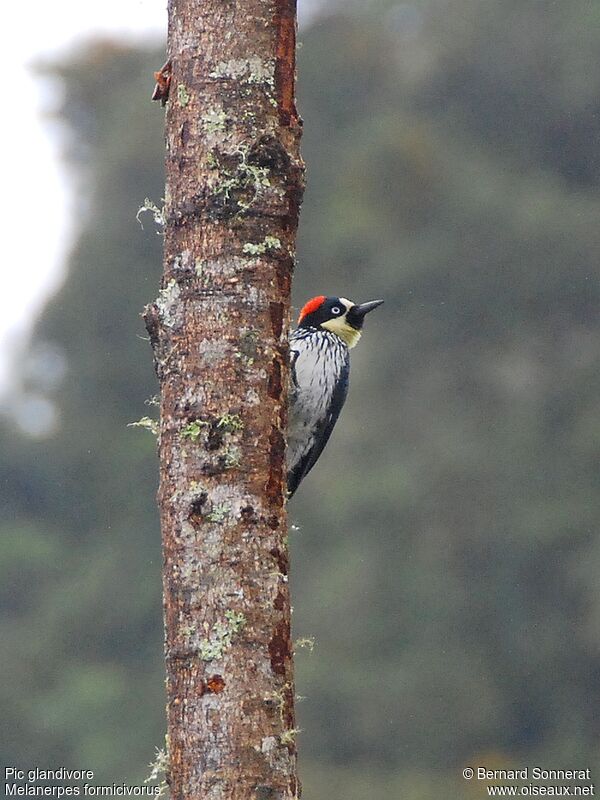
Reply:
x=320, y=361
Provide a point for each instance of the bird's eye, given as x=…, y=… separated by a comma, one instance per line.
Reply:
x=336, y=310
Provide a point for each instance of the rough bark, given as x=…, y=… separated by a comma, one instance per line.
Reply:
x=219, y=335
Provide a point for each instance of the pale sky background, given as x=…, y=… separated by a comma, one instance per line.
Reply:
x=35, y=180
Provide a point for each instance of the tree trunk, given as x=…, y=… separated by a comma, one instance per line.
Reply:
x=219, y=334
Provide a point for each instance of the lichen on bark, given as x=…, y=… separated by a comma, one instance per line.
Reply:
x=234, y=176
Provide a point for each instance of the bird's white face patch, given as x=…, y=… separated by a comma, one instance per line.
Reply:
x=339, y=325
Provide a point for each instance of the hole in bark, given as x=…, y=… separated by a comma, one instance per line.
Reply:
x=279, y=602
x=274, y=487
x=279, y=648
x=215, y=437
x=284, y=269
x=215, y=684
x=248, y=514
x=281, y=559
x=214, y=467
x=185, y=133
x=270, y=153
x=196, y=507
x=276, y=314
x=275, y=387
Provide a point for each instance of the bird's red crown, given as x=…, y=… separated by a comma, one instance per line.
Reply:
x=311, y=306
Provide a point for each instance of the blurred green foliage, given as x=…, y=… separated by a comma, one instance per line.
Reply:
x=447, y=559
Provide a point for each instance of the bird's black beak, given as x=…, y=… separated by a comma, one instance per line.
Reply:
x=356, y=315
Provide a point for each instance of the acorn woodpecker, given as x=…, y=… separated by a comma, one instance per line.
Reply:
x=320, y=367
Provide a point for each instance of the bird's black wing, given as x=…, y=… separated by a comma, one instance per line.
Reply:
x=321, y=433
x=293, y=358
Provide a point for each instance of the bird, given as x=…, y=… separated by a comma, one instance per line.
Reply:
x=328, y=327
